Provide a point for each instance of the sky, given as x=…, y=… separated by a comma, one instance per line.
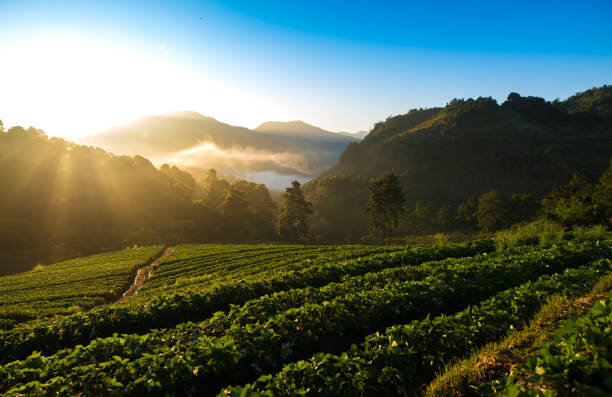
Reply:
x=73, y=68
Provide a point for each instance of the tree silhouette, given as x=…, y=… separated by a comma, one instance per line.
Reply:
x=491, y=211
x=215, y=189
x=235, y=209
x=293, y=218
x=386, y=204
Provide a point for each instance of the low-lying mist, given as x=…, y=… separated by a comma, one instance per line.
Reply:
x=275, y=169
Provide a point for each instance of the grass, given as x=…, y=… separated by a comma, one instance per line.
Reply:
x=541, y=231
x=496, y=360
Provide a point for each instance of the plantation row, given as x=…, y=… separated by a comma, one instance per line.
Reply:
x=70, y=286
x=202, y=266
x=168, y=310
x=191, y=357
x=402, y=359
x=575, y=362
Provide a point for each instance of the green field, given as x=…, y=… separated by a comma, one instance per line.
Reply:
x=203, y=266
x=299, y=320
x=70, y=286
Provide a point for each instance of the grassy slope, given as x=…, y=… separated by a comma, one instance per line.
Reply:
x=496, y=360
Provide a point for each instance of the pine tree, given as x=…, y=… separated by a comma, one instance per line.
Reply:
x=293, y=218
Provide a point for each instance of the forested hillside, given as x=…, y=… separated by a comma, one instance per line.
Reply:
x=525, y=145
x=443, y=156
x=65, y=200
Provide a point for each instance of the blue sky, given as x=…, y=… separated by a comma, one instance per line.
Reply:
x=73, y=67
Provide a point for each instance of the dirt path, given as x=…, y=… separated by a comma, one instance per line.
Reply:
x=143, y=274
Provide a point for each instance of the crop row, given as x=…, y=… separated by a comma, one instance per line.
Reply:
x=178, y=364
x=171, y=309
x=203, y=265
x=400, y=360
x=72, y=285
x=270, y=304
x=575, y=362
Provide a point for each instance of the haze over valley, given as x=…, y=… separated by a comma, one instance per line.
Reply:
x=273, y=153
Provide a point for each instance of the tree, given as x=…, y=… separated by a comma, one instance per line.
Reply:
x=491, y=211
x=466, y=211
x=235, y=210
x=1, y=127
x=521, y=207
x=572, y=204
x=603, y=194
x=445, y=217
x=386, y=204
x=215, y=189
x=261, y=209
x=292, y=222
x=180, y=180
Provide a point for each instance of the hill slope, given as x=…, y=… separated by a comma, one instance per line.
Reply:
x=68, y=200
x=472, y=146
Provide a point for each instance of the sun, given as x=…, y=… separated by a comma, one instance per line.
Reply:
x=72, y=86
x=76, y=86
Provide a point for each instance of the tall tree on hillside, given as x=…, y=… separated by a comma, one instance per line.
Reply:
x=180, y=180
x=215, y=189
x=386, y=204
x=293, y=218
x=261, y=208
x=491, y=212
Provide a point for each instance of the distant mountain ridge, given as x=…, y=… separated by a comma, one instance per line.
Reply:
x=191, y=139
x=302, y=129
x=358, y=134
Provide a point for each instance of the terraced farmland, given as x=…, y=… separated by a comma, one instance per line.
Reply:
x=298, y=320
x=203, y=266
x=70, y=286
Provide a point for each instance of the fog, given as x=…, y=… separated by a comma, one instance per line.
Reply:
x=276, y=170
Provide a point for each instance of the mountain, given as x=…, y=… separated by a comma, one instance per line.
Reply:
x=446, y=155
x=303, y=130
x=357, y=135
x=169, y=133
x=192, y=140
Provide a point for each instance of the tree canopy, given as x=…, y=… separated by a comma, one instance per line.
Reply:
x=293, y=218
x=386, y=204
